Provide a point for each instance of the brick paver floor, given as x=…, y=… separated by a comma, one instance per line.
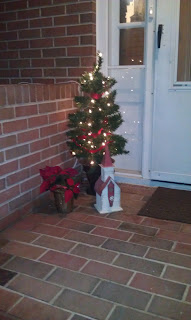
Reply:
x=89, y=266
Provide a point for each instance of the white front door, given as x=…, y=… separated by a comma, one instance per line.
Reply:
x=120, y=37
x=171, y=136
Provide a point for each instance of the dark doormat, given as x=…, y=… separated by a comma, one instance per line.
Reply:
x=169, y=204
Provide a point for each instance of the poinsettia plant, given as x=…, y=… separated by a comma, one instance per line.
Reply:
x=55, y=178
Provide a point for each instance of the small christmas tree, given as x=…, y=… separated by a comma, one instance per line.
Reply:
x=92, y=126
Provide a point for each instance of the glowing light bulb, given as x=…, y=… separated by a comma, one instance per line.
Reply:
x=89, y=142
x=132, y=60
x=106, y=93
x=103, y=143
x=105, y=134
x=140, y=60
x=131, y=90
x=103, y=82
x=91, y=76
x=92, y=101
x=100, y=54
x=89, y=124
x=80, y=122
x=92, y=146
x=109, y=104
x=97, y=67
x=73, y=153
x=90, y=111
x=108, y=78
x=131, y=77
x=84, y=81
x=100, y=109
x=89, y=134
x=92, y=162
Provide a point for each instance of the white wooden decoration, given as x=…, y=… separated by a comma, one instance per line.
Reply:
x=108, y=193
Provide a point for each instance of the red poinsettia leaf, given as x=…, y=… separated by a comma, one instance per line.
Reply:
x=68, y=195
x=70, y=182
x=76, y=190
x=44, y=186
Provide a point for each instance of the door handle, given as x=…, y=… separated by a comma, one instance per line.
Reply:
x=160, y=32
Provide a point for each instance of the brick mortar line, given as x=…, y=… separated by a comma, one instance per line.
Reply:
x=38, y=237
x=56, y=296
x=110, y=312
x=149, y=302
x=10, y=259
x=82, y=267
x=131, y=278
x=11, y=280
x=96, y=286
x=41, y=255
x=174, y=246
x=15, y=304
x=71, y=249
x=185, y=294
x=163, y=271
x=49, y=273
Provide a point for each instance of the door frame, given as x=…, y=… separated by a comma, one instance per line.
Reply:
x=102, y=25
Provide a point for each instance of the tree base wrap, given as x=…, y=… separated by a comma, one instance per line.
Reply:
x=61, y=205
x=92, y=173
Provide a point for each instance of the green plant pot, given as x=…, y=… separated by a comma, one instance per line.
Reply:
x=62, y=206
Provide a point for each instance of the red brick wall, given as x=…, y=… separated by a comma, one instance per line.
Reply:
x=33, y=122
x=46, y=41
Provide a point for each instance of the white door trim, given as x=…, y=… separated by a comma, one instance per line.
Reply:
x=149, y=88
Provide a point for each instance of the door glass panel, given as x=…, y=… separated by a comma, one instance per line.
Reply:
x=132, y=11
x=184, y=46
x=131, y=51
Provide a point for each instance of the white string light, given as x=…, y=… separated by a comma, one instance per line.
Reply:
x=80, y=122
x=100, y=109
x=106, y=93
x=89, y=124
x=105, y=134
x=90, y=111
x=73, y=153
x=89, y=142
x=103, y=143
x=92, y=162
x=92, y=101
x=100, y=54
x=91, y=76
x=108, y=104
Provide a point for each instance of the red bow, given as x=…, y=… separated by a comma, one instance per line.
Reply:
x=96, y=96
